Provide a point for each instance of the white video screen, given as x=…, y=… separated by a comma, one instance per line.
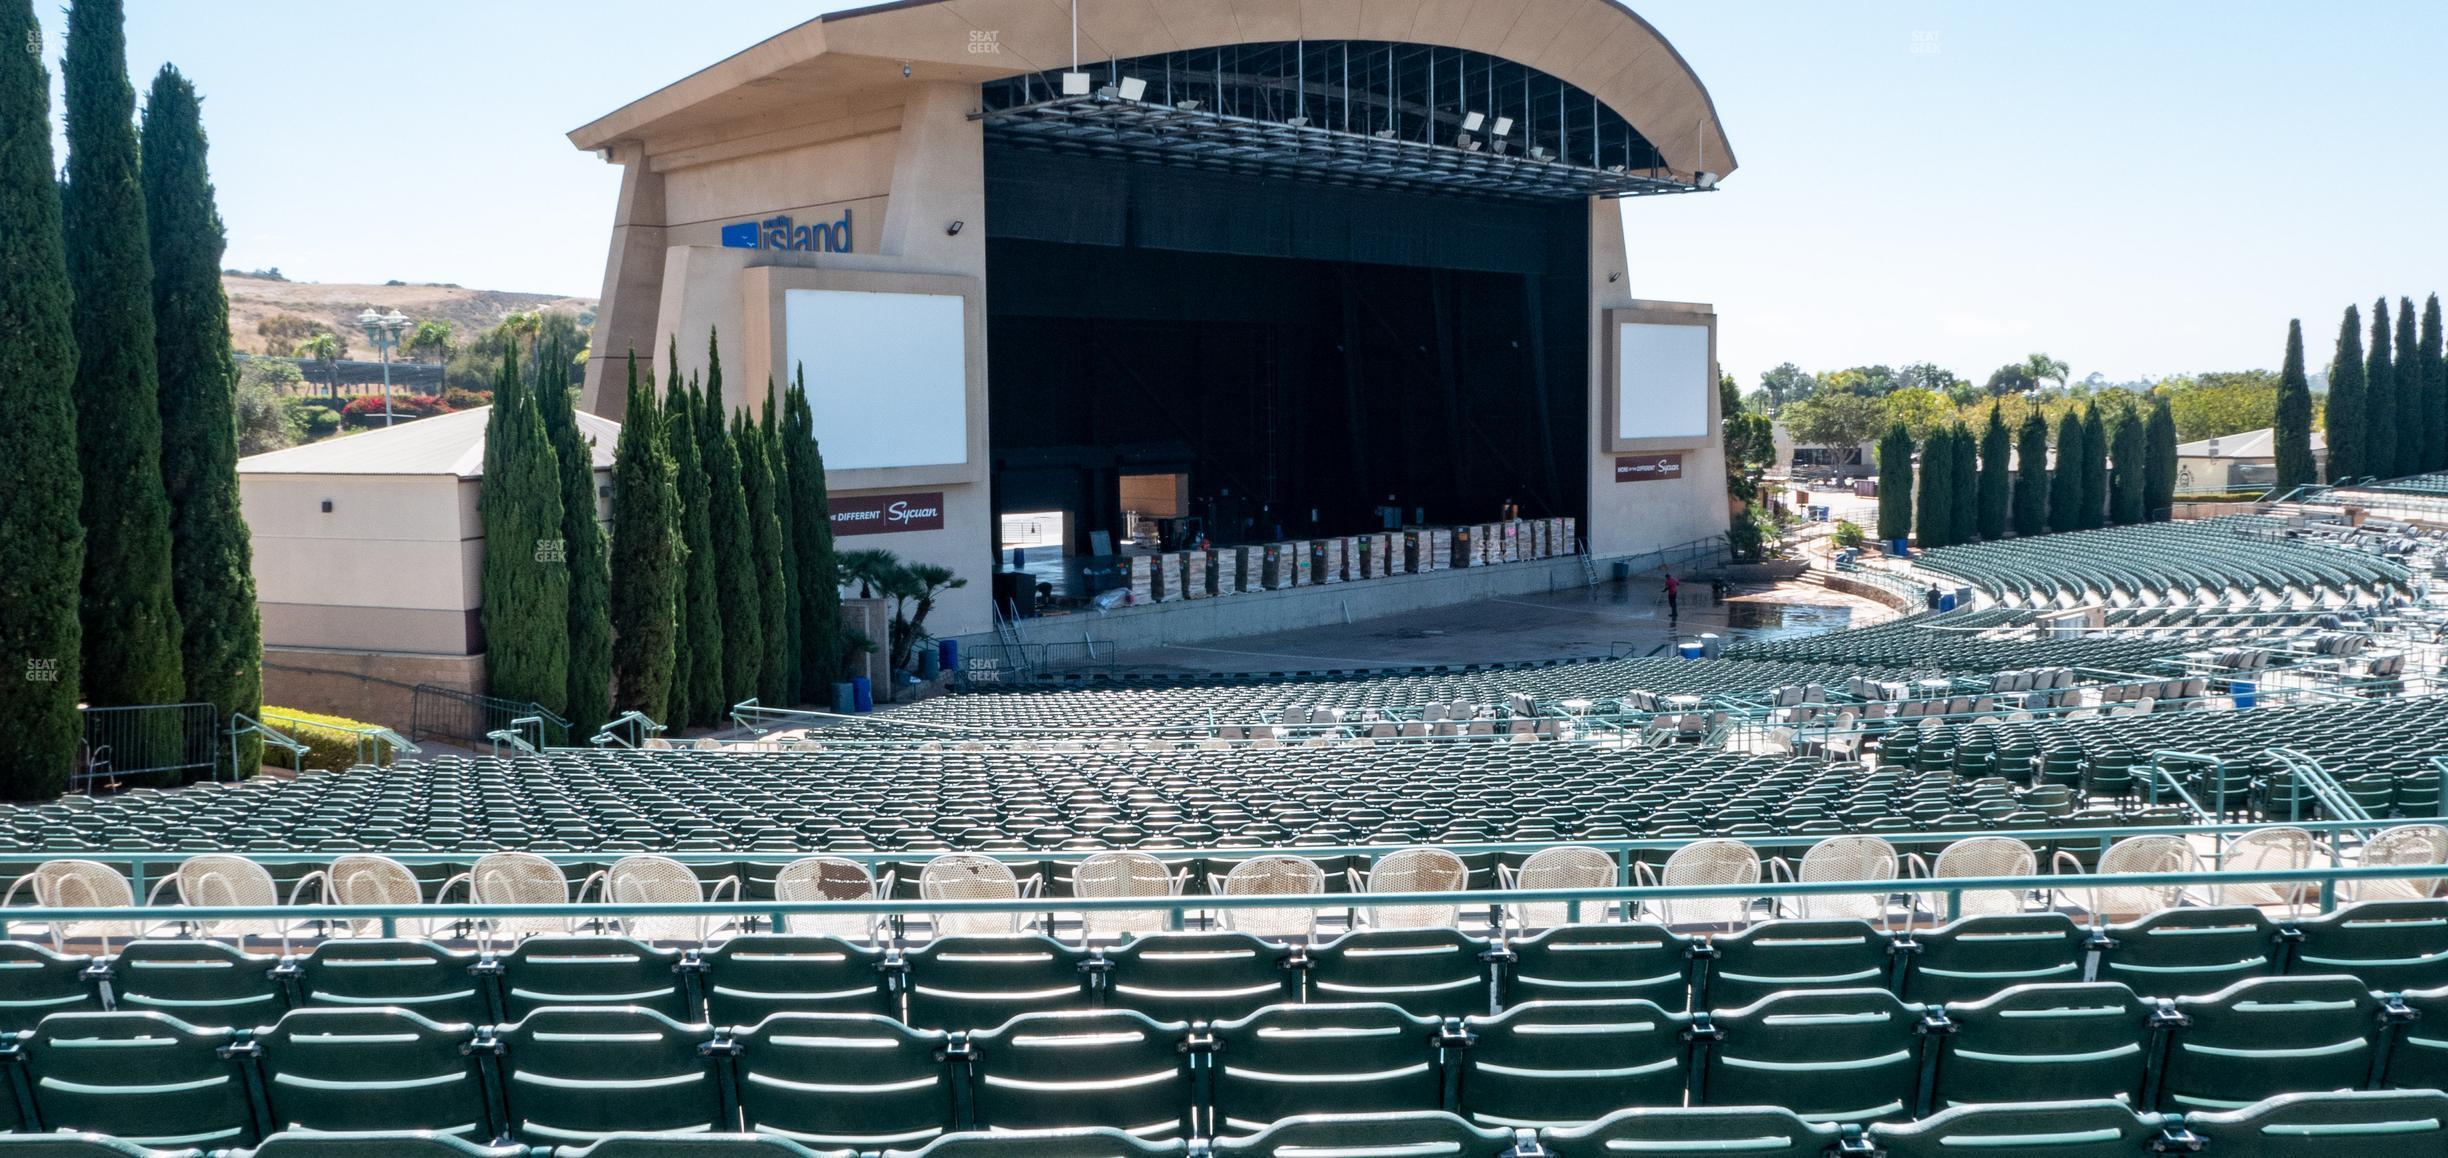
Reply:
x=1661, y=381
x=887, y=375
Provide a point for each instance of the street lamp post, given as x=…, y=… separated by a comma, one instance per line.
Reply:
x=384, y=331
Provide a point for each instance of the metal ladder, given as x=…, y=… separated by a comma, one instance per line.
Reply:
x=1589, y=566
x=1007, y=633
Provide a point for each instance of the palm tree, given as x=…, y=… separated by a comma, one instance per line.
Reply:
x=871, y=569
x=323, y=350
x=2043, y=368
x=431, y=338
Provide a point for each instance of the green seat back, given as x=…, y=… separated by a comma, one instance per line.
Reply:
x=748, y=979
x=36, y=982
x=1837, y=1055
x=2270, y=1035
x=2389, y=945
x=1199, y=976
x=834, y=1080
x=2188, y=952
x=977, y=982
x=371, y=1070
x=1540, y=1065
x=354, y=973
x=1112, y=1067
x=1749, y=1131
x=2325, y=1125
x=2102, y=1128
x=145, y=1078
x=1602, y=963
x=1323, y=1059
x=570, y=970
x=2046, y=1043
x=1784, y=956
x=1370, y=1136
x=1430, y=972
x=1975, y=957
x=572, y=1074
x=197, y=981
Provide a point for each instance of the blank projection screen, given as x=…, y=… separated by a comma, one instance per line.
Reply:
x=1661, y=381
x=887, y=375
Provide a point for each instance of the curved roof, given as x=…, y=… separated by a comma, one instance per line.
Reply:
x=840, y=61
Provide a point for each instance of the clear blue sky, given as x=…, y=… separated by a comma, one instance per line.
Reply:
x=2140, y=189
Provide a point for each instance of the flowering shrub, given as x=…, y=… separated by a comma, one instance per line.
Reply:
x=367, y=409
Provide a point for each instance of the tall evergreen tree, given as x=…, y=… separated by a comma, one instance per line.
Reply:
x=2380, y=399
x=526, y=580
x=2293, y=433
x=700, y=671
x=736, y=579
x=2066, y=482
x=2413, y=454
x=131, y=629
x=1964, y=488
x=1996, y=447
x=778, y=462
x=812, y=539
x=590, y=571
x=2095, y=468
x=1934, y=514
x=765, y=552
x=2345, y=408
x=212, y=569
x=2129, y=469
x=2031, y=486
x=2434, y=388
x=1895, y=485
x=2159, y=462
x=646, y=558
x=42, y=544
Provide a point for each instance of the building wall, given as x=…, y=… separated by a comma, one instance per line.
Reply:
x=392, y=567
x=1630, y=518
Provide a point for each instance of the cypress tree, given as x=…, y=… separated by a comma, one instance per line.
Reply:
x=765, y=547
x=526, y=580
x=2128, y=490
x=582, y=537
x=42, y=544
x=2066, y=482
x=698, y=682
x=2293, y=433
x=646, y=558
x=2031, y=487
x=1996, y=447
x=2345, y=407
x=2159, y=462
x=131, y=628
x=212, y=569
x=1934, y=516
x=2095, y=469
x=2379, y=399
x=812, y=539
x=1895, y=485
x=2434, y=388
x=734, y=546
x=1964, y=487
x=2413, y=454
x=778, y=462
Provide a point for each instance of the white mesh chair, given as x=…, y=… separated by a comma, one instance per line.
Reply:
x=517, y=878
x=2404, y=845
x=2135, y=854
x=366, y=879
x=1124, y=874
x=1845, y=858
x=961, y=876
x=660, y=880
x=224, y=881
x=830, y=878
x=1980, y=856
x=79, y=884
x=1274, y=876
x=1705, y=862
x=1412, y=870
x=2280, y=849
x=1569, y=866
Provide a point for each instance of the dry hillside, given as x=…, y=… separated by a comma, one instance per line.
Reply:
x=469, y=312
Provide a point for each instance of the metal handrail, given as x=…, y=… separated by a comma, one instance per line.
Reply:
x=640, y=729
x=242, y=724
x=2326, y=789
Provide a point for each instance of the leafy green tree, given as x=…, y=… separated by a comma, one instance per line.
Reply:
x=131, y=626
x=1788, y=383
x=2293, y=427
x=2379, y=399
x=2042, y=368
x=765, y=554
x=2345, y=410
x=1834, y=419
x=1934, y=514
x=646, y=558
x=2129, y=468
x=2434, y=388
x=1895, y=485
x=777, y=461
x=2159, y=463
x=812, y=538
x=2066, y=482
x=590, y=572
x=1929, y=376
x=431, y=341
x=325, y=351
x=1996, y=447
x=2413, y=454
x=212, y=571
x=2220, y=403
x=2031, y=488
x=42, y=543
x=526, y=582
x=2095, y=468
x=2011, y=378
x=1921, y=411
x=698, y=686
x=736, y=580
x=1963, y=483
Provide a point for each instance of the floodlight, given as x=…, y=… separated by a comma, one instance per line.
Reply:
x=1075, y=84
x=1705, y=179
x=1187, y=106
x=1298, y=122
x=1133, y=88
x=1472, y=121
x=1504, y=126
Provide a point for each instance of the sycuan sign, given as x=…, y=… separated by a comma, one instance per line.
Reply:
x=1648, y=467
x=886, y=514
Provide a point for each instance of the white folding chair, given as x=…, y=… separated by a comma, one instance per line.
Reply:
x=367, y=879
x=2405, y=845
x=1274, y=876
x=1124, y=874
x=1714, y=861
x=1569, y=866
x=962, y=876
x=830, y=878
x=79, y=884
x=1980, y=856
x=1412, y=870
x=1845, y=858
x=219, y=880
x=2134, y=854
x=517, y=878
x=2280, y=849
x=660, y=880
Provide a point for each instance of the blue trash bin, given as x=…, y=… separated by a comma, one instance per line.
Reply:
x=1946, y=602
x=2246, y=693
x=1690, y=649
x=1902, y=549
x=862, y=695
x=948, y=650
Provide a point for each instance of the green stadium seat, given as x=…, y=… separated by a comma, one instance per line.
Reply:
x=2101, y=1128
x=1370, y=1136
x=2047, y=1043
x=982, y=980
x=36, y=982
x=1114, y=1067
x=1748, y=1131
x=2388, y=945
x=1602, y=963
x=420, y=976
x=1323, y=1059
x=2419, y=1060
x=1537, y=1066
x=1975, y=957
x=1787, y=956
x=377, y=1144
x=337, y=1070
x=146, y=1078
x=836, y=1080
x=1430, y=972
x=82, y=1145
x=2269, y=1036
x=1086, y=1143
x=197, y=981
x=1199, y=976
x=695, y=1146
x=2190, y=952
x=556, y=969
x=2327, y=1125
x=748, y=979
x=1831, y=1055
x=572, y=1074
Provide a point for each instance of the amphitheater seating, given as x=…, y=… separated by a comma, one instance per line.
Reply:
x=2240, y=562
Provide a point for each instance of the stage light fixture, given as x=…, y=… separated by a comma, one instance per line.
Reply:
x=1705, y=179
x=1075, y=84
x=1504, y=126
x=1187, y=106
x=1384, y=134
x=1472, y=121
x=1468, y=143
x=953, y=230
x=1538, y=152
x=1106, y=92
x=1298, y=122
x=1614, y=168
x=1133, y=88
x=1499, y=147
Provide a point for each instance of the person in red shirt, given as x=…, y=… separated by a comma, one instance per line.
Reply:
x=1674, y=607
